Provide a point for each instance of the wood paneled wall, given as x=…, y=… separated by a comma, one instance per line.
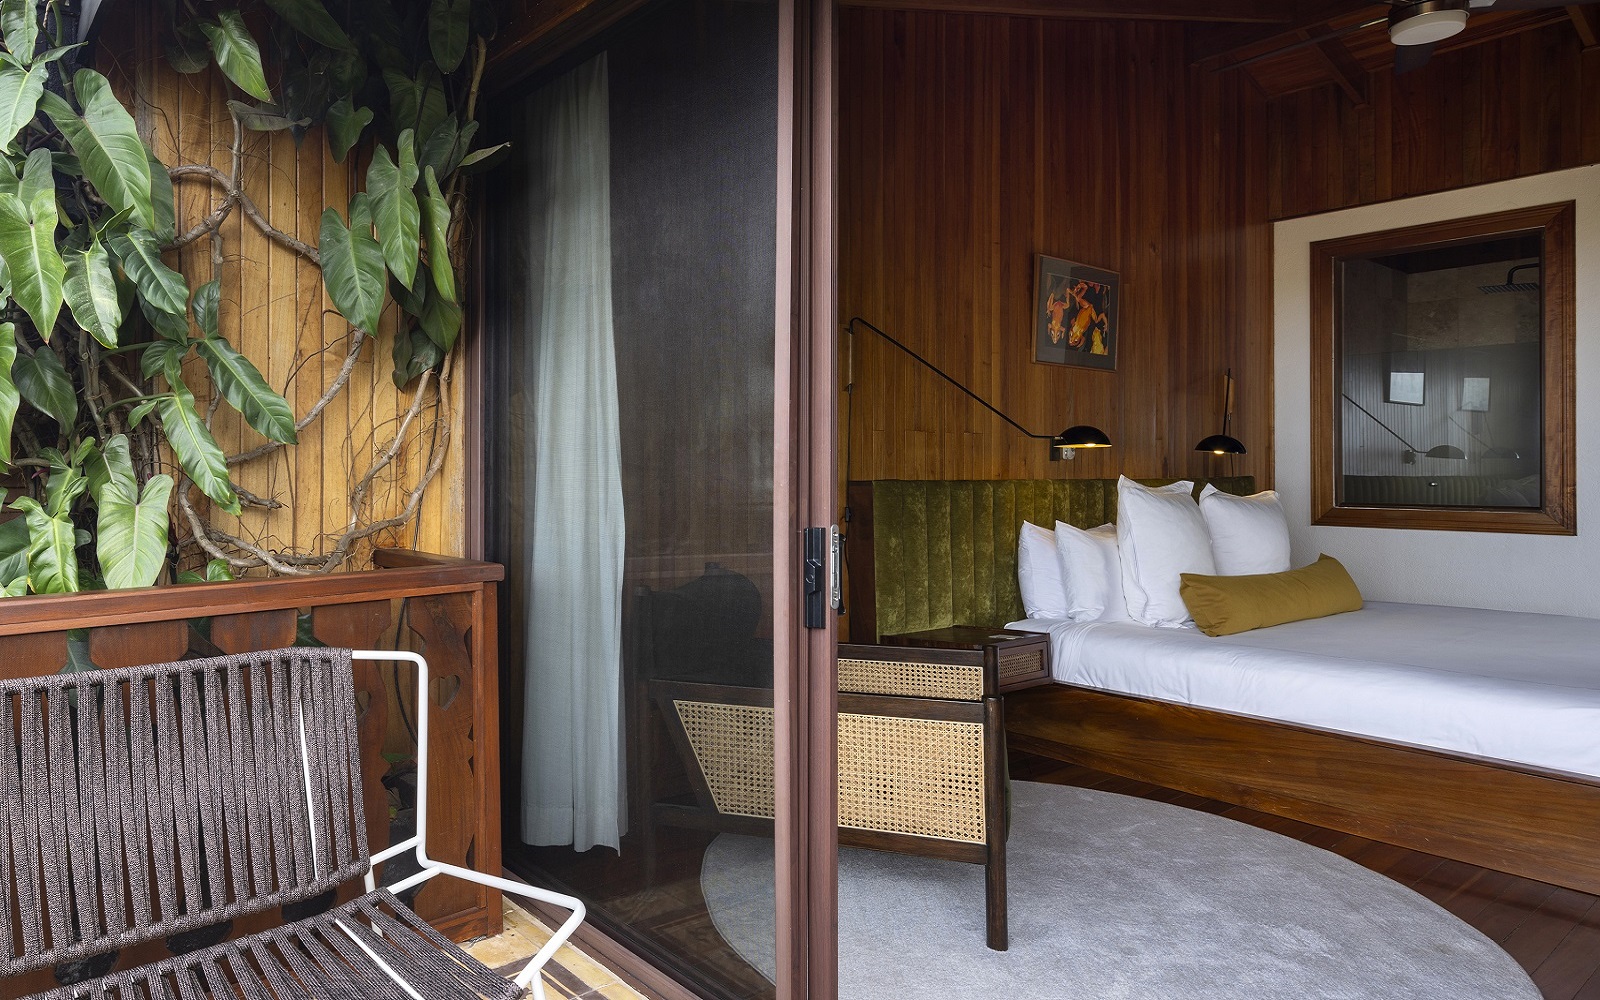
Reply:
x=274, y=309
x=1519, y=105
x=970, y=143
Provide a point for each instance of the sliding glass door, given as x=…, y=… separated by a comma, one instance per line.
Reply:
x=647, y=295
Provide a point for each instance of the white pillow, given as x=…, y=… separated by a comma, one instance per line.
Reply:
x=1093, y=573
x=1248, y=534
x=1160, y=535
x=1044, y=594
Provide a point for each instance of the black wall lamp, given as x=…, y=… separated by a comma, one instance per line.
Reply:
x=1409, y=456
x=1224, y=443
x=1063, y=445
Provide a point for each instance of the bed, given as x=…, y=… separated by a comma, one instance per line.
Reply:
x=1490, y=755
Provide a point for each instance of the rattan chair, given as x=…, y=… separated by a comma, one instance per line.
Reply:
x=150, y=801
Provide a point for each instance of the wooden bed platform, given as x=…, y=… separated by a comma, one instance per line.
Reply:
x=1513, y=818
x=1510, y=817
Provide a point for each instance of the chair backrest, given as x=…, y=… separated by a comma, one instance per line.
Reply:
x=147, y=801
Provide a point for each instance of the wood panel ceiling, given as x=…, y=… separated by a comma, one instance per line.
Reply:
x=1283, y=48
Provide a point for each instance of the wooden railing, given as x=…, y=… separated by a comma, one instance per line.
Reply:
x=439, y=606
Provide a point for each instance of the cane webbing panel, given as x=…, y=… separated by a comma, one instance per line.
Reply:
x=313, y=959
x=916, y=680
x=1021, y=663
x=147, y=801
x=733, y=746
x=922, y=777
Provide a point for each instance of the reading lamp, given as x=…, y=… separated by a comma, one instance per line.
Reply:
x=1409, y=456
x=1224, y=443
x=1063, y=445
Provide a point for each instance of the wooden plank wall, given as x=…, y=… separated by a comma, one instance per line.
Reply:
x=275, y=310
x=1519, y=105
x=970, y=143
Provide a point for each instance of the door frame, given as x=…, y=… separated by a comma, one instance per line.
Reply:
x=805, y=485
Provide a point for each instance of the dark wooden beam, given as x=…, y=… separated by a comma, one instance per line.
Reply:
x=1215, y=47
x=1270, y=12
x=1349, y=74
x=1586, y=21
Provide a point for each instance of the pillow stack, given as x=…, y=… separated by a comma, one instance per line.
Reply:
x=1164, y=552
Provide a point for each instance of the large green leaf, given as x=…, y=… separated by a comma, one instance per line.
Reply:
x=352, y=269
x=436, y=213
x=112, y=463
x=165, y=220
x=9, y=397
x=131, y=540
x=414, y=354
x=449, y=24
x=159, y=285
x=346, y=122
x=236, y=53
x=196, y=450
x=14, y=550
x=445, y=149
x=242, y=385
x=91, y=291
x=38, y=176
x=207, y=302
x=19, y=19
x=396, y=213
x=107, y=143
x=265, y=117
x=52, y=545
x=164, y=357
x=311, y=18
x=28, y=245
x=45, y=385
x=67, y=481
x=416, y=103
x=20, y=91
x=440, y=319
x=187, y=50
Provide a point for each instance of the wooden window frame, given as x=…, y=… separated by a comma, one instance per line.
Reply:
x=1557, y=513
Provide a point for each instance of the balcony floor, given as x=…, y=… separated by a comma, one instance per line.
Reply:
x=570, y=974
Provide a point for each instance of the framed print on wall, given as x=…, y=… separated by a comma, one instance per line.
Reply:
x=1409, y=388
x=1075, y=314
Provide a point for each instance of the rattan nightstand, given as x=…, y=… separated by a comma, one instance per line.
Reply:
x=1011, y=660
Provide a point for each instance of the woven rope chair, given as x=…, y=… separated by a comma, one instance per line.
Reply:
x=149, y=801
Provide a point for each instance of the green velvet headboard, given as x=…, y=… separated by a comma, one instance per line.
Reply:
x=924, y=554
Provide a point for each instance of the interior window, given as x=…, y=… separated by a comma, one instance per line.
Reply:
x=1441, y=359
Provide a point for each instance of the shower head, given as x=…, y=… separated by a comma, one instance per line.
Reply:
x=1512, y=286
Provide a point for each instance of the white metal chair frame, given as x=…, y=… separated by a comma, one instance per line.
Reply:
x=528, y=978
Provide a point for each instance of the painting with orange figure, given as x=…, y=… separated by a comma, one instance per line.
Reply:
x=1075, y=322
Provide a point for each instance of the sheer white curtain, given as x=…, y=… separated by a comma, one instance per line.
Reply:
x=572, y=787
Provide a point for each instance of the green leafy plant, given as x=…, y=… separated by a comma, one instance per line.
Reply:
x=100, y=338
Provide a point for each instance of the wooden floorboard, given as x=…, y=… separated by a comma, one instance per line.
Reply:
x=1553, y=932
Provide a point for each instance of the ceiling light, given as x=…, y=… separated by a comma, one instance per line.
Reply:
x=1427, y=22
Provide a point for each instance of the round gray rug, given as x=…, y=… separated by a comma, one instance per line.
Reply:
x=1116, y=897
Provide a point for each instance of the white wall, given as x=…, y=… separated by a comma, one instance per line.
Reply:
x=1558, y=574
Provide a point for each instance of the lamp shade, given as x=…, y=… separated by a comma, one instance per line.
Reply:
x=1221, y=444
x=1446, y=451
x=1082, y=436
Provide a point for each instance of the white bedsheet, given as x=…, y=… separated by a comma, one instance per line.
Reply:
x=1508, y=685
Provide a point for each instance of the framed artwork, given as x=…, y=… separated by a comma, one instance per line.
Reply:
x=1075, y=314
x=1475, y=395
x=1407, y=387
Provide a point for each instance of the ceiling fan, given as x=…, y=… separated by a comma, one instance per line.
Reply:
x=1416, y=26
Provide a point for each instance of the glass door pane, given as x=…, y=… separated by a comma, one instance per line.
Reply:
x=631, y=249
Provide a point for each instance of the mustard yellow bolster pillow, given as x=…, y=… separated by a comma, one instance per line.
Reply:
x=1225, y=605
